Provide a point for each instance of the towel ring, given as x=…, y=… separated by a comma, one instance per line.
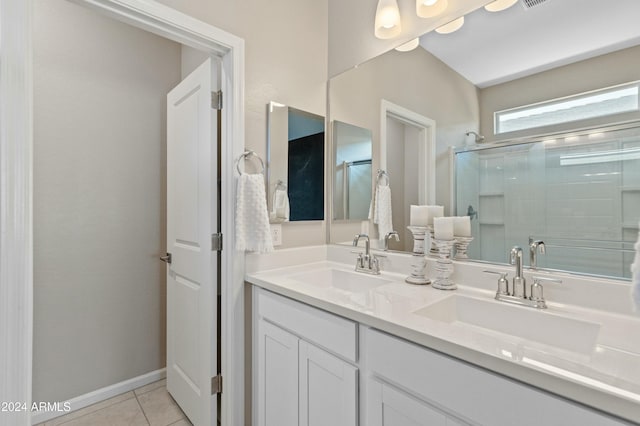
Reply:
x=280, y=185
x=245, y=156
x=383, y=174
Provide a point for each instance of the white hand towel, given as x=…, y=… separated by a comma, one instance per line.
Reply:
x=252, y=218
x=280, y=209
x=635, y=278
x=382, y=211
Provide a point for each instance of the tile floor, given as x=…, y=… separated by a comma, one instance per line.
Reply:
x=150, y=405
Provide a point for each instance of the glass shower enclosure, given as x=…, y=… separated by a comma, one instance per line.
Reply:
x=577, y=192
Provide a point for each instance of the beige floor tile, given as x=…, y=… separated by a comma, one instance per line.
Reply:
x=90, y=409
x=151, y=386
x=183, y=422
x=125, y=413
x=160, y=408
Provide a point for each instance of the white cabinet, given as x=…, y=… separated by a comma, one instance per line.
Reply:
x=328, y=388
x=459, y=390
x=306, y=373
x=295, y=381
x=277, y=379
x=387, y=406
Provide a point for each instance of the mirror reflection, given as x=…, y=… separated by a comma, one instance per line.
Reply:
x=494, y=64
x=295, y=178
x=351, y=171
x=579, y=194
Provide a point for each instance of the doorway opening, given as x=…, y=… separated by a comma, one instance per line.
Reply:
x=407, y=154
x=19, y=107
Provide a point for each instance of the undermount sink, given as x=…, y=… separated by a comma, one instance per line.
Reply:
x=353, y=282
x=526, y=323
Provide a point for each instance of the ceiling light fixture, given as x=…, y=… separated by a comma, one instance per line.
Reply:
x=499, y=5
x=452, y=26
x=430, y=8
x=387, y=23
x=408, y=46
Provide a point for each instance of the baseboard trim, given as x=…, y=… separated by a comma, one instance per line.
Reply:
x=99, y=395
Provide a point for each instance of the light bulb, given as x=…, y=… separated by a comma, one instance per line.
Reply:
x=387, y=19
x=430, y=8
x=387, y=22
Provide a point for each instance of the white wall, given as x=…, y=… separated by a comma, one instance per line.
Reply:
x=417, y=81
x=99, y=206
x=286, y=61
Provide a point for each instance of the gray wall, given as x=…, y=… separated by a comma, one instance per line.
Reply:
x=415, y=80
x=607, y=70
x=99, y=203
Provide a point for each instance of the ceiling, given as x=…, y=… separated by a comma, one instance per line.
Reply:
x=493, y=48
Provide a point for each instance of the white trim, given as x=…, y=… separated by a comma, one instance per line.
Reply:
x=427, y=154
x=102, y=394
x=16, y=222
x=453, y=191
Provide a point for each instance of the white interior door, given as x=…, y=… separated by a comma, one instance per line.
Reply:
x=192, y=209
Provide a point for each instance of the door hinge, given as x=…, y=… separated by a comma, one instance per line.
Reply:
x=166, y=259
x=216, y=99
x=216, y=242
x=216, y=384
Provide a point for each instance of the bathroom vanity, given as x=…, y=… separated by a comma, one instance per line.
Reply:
x=335, y=347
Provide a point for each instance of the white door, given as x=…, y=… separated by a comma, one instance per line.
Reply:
x=328, y=389
x=192, y=209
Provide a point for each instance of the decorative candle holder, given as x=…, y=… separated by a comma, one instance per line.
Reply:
x=462, y=244
x=444, y=265
x=433, y=250
x=418, y=261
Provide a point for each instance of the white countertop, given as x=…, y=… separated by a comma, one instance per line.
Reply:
x=607, y=378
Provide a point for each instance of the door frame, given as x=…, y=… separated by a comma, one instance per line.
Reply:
x=427, y=146
x=16, y=180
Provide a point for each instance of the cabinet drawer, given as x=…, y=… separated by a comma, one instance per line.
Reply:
x=470, y=392
x=331, y=332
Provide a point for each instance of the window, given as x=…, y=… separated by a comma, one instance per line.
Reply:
x=599, y=103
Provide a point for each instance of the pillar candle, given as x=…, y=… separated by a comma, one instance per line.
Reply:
x=443, y=228
x=419, y=215
x=435, y=211
x=462, y=226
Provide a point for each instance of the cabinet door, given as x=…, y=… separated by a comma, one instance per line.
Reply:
x=387, y=406
x=328, y=389
x=277, y=376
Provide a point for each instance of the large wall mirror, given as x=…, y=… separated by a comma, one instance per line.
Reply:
x=295, y=166
x=351, y=171
x=495, y=62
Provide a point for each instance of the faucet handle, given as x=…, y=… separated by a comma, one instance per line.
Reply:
x=536, y=289
x=503, y=282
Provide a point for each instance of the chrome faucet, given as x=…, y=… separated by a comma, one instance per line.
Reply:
x=519, y=283
x=366, y=262
x=518, y=294
x=534, y=246
x=388, y=237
